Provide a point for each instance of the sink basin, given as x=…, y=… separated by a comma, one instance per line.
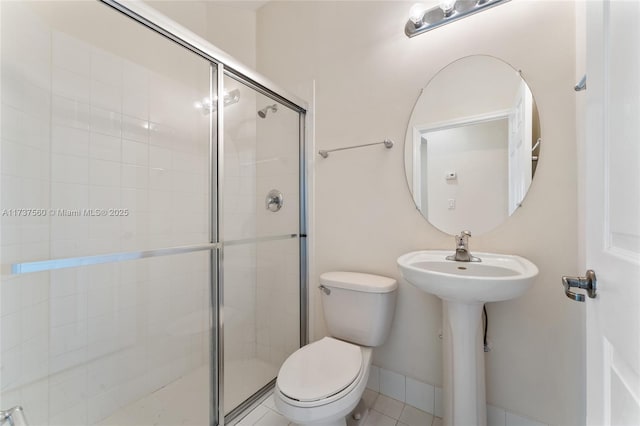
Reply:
x=498, y=277
x=464, y=287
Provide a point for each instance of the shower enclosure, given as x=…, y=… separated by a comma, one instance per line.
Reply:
x=152, y=230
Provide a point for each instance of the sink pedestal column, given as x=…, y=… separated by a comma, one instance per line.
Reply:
x=464, y=389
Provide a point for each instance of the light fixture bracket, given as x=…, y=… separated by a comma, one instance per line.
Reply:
x=435, y=17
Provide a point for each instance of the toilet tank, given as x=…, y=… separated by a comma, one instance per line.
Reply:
x=358, y=307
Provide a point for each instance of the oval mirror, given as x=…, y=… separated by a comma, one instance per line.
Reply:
x=472, y=145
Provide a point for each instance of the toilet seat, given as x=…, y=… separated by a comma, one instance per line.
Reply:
x=320, y=370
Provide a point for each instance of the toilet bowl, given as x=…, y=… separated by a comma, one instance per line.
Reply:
x=323, y=382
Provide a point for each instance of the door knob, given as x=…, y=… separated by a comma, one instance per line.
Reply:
x=588, y=283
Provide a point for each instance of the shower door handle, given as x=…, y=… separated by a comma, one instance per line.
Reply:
x=13, y=417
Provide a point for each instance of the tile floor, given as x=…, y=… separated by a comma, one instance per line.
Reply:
x=384, y=411
x=185, y=402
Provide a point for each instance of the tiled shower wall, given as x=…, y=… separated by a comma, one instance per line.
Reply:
x=278, y=287
x=83, y=128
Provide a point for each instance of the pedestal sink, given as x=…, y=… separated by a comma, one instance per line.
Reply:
x=464, y=287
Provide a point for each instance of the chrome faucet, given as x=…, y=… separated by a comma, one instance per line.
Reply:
x=462, y=249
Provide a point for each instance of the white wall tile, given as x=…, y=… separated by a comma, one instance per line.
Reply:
x=72, y=416
x=36, y=132
x=106, y=121
x=102, y=405
x=67, y=390
x=160, y=158
x=11, y=292
x=35, y=401
x=495, y=416
x=11, y=326
x=135, y=177
x=11, y=371
x=71, y=85
x=23, y=160
x=439, y=403
x=515, y=420
x=35, y=320
x=135, y=129
x=105, y=147
x=106, y=67
x=72, y=113
x=69, y=196
x=35, y=361
x=12, y=128
x=67, y=310
x=105, y=198
x=135, y=153
x=104, y=173
x=135, y=103
x=69, y=140
x=106, y=95
x=69, y=169
x=374, y=379
x=420, y=395
x=160, y=179
x=135, y=200
x=392, y=384
x=73, y=134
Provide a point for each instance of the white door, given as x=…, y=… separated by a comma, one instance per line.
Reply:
x=612, y=216
x=520, y=144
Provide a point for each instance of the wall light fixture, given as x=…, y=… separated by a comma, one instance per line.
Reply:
x=423, y=19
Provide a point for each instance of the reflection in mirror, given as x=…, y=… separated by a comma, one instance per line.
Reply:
x=472, y=145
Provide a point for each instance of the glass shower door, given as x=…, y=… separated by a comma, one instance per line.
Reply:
x=105, y=148
x=261, y=266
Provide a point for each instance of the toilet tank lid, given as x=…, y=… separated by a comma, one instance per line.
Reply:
x=358, y=281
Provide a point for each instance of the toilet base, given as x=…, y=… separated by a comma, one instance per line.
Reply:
x=339, y=422
x=357, y=417
x=359, y=414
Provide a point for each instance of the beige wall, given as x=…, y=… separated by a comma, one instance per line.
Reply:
x=230, y=27
x=366, y=75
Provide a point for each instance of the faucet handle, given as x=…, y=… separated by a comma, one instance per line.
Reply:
x=461, y=240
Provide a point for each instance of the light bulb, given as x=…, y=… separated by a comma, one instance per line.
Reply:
x=447, y=6
x=416, y=13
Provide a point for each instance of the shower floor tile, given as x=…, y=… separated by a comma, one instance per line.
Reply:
x=185, y=402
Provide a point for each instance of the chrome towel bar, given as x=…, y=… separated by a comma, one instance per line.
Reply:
x=324, y=153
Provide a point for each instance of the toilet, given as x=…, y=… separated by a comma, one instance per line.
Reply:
x=323, y=382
